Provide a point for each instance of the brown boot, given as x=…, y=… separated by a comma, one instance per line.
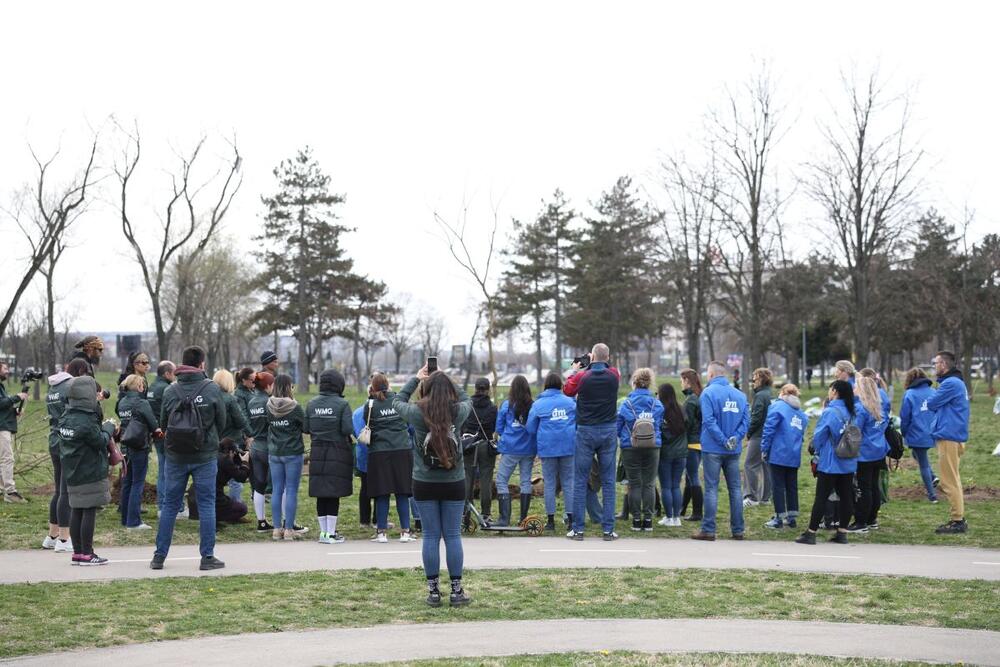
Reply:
x=702, y=535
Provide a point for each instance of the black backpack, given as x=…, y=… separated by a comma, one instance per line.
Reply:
x=895, y=442
x=185, y=433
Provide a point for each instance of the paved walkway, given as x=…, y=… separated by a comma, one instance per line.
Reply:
x=519, y=552
x=457, y=640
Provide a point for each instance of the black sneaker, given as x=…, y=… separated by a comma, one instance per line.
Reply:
x=610, y=537
x=434, y=599
x=857, y=528
x=873, y=525
x=953, y=528
x=936, y=482
x=839, y=537
x=806, y=538
x=211, y=563
x=92, y=559
x=459, y=598
x=301, y=530
x=157, y=562
x=550, y=527
x=417, y=526
x=637, y=525
x=264, y=527
x=647, y=525
x=575, y=536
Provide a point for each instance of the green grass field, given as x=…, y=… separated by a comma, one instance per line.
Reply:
x=908, y=519
x=37, y=618
x=614, y=658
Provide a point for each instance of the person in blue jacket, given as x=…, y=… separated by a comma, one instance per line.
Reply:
x=552, y=422
x=950, y=431
x=365, y=502
x=517, y=448
x=832, y=472
x=915, y=423
x=872, y=422
x=781, y=447
x=641, y=460
x=725, y=419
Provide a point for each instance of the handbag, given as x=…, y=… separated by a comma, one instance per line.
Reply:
x=115, y=455
x=365, y=437
x=471, y=440
x=136, y=435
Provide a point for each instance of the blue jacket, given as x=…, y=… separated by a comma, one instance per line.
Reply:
x=784, y=428
x=915, y=418
x=873, y=443
x=724, y=414
x=950, y=405
x=514, y=436
x=831, y=425
x=886, y=406
x=643, y=403
x=552, y=422
x=360, y=451
x=596, y=392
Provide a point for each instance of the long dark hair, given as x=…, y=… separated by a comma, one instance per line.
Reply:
x=672, y=413
x=282, y=386
x=439, y=397
x=520, y=398
x=845, y=392
x=691, y=375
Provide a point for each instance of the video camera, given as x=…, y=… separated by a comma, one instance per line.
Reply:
x=30, y=374
x=583, y=360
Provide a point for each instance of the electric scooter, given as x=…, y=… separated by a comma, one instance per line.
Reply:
x=532, y=524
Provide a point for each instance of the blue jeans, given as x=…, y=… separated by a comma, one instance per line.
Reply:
x=784, y=490
x=132, y=486
x=286, y=473
x=691, y=467
x=442, y=519
x=729, y=465
x=235, y=490
x=161, y=486
x=593, y=439
x=671, y=471
x=926, y=473
x=176, y=478
x=414, y=510
x=505, y=468
x=382, y=511
x=561, y=468
x=594, y=508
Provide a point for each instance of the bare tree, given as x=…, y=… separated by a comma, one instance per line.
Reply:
x=185, y=231
x=866, y=185
x=401, y=333
x=430, y=327
x=52, y=211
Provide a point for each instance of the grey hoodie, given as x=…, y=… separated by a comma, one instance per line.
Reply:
x=792, y=400
x=279, y=407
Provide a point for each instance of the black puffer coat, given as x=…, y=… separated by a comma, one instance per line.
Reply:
x=331, y=455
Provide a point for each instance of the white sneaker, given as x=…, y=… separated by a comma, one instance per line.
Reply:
x=677, y=521
x=325, y=539
x=49, y=542
x=336, y=538
x=64, y=547
x=407, y=536
x=183, y=514
x=380, y=538
x=141, y=526
x=750, y=502
x=665, y=521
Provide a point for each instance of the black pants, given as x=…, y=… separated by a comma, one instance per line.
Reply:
x=844, y=486
x=59, y=505
x=327, y=506
x=484, y=457
x=365, y=502
x=81, y=529
x=866, y=512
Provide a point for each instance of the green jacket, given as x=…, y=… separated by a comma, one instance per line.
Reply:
x=8, y=413
x=133, y=405
x=237, y=426
x=412, y=415
x=388, y=428
x=758, y=412
x=243, y=398
x=55, y=404
x=257, y=408
x=155, y=395
x=83, y=447
x=674, y=446
x=211, y=407
x=692, y=417
x=328, y=418
x=284, y=431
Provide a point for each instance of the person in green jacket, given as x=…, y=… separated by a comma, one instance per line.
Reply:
x=390, y=459
x=132, y=404
x=438, y=474
x=756, y=478
x=331, y=455
x=245, y=386
x=164, y=378
x=285, y=456
x=83, y=449
x=8, y=427
x=260, y=470
x=237, y=425
x=673, y=454
x=58, y=538
x=691, y=387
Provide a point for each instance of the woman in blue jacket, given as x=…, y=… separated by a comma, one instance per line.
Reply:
x=781, y=447
x=832, y=472
x=641, y=462
x=516, y=448
x=872, y=421
x=915, y=422
x=552, y=422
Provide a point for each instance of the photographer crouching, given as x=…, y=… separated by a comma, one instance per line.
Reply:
x=234, y=465
x=10, y=410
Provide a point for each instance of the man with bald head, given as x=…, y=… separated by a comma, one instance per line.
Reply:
x=596, y=390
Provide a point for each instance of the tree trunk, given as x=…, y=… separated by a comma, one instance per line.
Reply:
x=538, y=346
x=303, y=360
x=489, y=341
x=557, y=307
x=50, y=302
x=470, y=361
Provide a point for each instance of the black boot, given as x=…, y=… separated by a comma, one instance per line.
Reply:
x=550, y=525
x=686, y=500
x=624, y=515
x=433, y=592
x=504, y=503
x=657, y=502
x=525, y=505
x=569, y=520
x=697, y=502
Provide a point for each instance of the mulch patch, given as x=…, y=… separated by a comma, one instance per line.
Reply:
x=972, y=493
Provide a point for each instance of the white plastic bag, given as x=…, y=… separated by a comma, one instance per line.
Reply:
x=996, y=406
x=996, y=451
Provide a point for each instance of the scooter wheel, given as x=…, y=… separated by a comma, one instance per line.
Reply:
x=470, y=527
x=533, y=526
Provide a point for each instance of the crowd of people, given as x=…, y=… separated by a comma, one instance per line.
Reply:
x=431, y=446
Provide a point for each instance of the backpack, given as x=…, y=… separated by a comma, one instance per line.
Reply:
x=849, y=445
x=185, y=432
x=430, y=458
x=643, y=432
x=895, y=442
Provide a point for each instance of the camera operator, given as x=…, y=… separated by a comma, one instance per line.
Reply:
x=234, y=465
x=9, y=406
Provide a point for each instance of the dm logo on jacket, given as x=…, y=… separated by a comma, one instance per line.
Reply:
x=731, y=406
x=559, y=415
x=796, y=422
x=923, y=406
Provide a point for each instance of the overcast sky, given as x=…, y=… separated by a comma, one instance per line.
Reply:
x=415, y=107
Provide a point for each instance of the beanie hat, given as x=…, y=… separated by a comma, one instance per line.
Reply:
x=331, y=382
x=267, y=357
x=263, y=380
x=482, y=384
x=82, y=393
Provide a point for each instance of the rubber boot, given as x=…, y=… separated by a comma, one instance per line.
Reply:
x=525, y=505
x=624, y=515
x=504, y=503
x=686, y=500
x=697, y=502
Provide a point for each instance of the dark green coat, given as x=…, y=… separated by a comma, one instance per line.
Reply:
x=412, y=415
x=155, y=395
x=211, y=407
x=243, y=397
x=133, y=405
x=55, y=404
x=83, y=447
x=284, y=433
x=692, y=417
x=674, y=446
x=237, y=425
x=8, y=413
x=758, y=412
x=257, y=409
x=388, y=428
x=331, y=455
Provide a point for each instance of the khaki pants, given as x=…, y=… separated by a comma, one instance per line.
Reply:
x=7, y=462
x=949, y=453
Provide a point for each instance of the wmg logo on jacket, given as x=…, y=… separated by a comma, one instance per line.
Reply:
x=731, y=406
x=256, y=412
x=322, y=411
x=559, y=415
x=280, y=422
x=67, y=432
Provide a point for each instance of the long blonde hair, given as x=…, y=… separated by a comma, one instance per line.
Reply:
x=867, y=391
x=225, y=380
